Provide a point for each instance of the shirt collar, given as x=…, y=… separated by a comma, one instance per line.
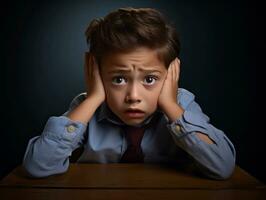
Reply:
x=105, y=113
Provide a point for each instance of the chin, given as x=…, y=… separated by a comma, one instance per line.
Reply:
x=133, y=122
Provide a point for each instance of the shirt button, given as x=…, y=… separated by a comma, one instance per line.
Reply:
x=177, y=128
x=71, y=128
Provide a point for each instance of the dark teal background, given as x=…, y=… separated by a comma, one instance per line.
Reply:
x=42, y=47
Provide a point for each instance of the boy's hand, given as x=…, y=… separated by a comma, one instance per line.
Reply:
x=170, y=86
x=167, y=100
x=94, y=85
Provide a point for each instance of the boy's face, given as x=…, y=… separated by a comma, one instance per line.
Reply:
x=133, y=81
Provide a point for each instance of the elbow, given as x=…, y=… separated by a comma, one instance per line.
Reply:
x=223, y=165
x=31, y=171
x=226, y=167
x=222, y=171
x=225, y=173
x=218, y=169
x=218, y=173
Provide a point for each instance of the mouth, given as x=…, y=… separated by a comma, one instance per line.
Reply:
x=134, y=113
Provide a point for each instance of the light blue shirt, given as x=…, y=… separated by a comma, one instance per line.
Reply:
x=104, y=141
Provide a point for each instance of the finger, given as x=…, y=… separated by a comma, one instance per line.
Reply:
x=177, y=69
x=169, y=73
x=95, y=66
x=172, y=71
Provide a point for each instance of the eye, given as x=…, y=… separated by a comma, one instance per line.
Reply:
x=119, y=80
x=150, y=80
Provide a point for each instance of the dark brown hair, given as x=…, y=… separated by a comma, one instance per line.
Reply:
x=125, y=29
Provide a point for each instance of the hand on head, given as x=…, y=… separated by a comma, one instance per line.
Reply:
x=93, y=80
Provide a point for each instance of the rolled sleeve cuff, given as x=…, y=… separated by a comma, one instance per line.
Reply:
x=63, y=129
x=188, y=123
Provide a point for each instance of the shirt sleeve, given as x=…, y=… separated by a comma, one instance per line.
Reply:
x=214, y=160
x=49, y=153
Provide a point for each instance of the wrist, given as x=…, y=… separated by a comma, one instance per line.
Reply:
x=173, y=111
x=85, y=110
x=95, y=98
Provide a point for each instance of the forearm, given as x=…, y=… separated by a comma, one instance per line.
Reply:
x=85, y=110
x=45, y=157
x=216, y=160
x=48, y=154
x=174, y=112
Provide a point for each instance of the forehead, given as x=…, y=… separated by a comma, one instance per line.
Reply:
x=139, y=57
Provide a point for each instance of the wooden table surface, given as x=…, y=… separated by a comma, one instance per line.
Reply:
x=129, y=181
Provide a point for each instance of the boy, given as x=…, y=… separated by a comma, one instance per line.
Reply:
x=133, y=110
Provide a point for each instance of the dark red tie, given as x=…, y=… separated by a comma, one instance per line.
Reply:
x=133, y=154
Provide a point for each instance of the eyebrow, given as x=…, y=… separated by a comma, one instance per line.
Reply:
x=127, y=70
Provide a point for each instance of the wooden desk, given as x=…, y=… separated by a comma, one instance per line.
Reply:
x=129, y=181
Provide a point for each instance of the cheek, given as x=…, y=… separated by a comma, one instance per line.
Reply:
x=152, y=97
x=157, y=90
x=113, y=97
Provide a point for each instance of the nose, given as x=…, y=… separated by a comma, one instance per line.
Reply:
x=132, y=95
